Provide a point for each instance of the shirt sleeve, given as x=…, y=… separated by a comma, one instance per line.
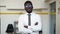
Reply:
x=21, y=26
x=39, y=26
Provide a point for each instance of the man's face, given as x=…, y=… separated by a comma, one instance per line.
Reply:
x=28, y=8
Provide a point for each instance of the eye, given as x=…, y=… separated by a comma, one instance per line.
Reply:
x=29, y=5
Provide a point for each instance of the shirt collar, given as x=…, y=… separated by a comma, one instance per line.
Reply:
x=30, y=13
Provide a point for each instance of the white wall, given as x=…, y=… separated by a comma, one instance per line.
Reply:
x=57, y=18
x=19, y=4
x=2, y=2
x=0, y=24
x=45, y=22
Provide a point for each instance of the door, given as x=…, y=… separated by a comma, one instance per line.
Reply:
x=52, y=17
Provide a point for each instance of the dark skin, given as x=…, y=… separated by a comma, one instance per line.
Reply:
x=29, y=8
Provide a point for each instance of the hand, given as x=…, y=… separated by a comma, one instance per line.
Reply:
x=26, y=26
x=36, y=23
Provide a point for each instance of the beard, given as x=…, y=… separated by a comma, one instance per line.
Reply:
x=29, y=11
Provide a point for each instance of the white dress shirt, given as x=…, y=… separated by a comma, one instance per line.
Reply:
x=23, y=20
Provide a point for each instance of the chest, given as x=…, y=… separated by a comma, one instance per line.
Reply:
x=32, y=20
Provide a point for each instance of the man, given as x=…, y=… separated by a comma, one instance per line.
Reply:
x=29, y=23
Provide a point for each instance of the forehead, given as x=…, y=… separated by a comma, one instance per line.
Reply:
x=28, y=4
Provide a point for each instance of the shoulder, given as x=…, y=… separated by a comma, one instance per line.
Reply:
x=23, y=15
x=34, y=14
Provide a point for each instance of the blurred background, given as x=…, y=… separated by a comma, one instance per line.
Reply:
x=10, y=10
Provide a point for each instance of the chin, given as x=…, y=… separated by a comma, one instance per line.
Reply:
x=29, y=12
